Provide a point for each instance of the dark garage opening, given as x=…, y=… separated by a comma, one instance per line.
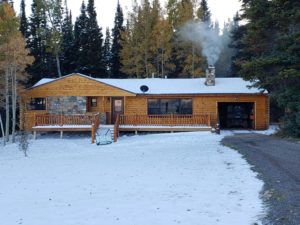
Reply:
x=236, y=115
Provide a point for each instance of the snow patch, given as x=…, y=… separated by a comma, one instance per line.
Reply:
x=161, y=179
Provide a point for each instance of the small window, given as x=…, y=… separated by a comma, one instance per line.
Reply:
x=93, y=102
x=37, y=104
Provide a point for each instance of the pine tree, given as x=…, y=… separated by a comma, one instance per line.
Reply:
x=172, y=12
x=145, y=47
x=136, y=53
x=116, y=44
x=107, y=55
x=94, y=48
x=188, y=59
x=54, y=15
x=131, y=54
x=268, y=54
x=236, y=35
x=68, y=51
x=80, y=42
x=43, y=64
x=203, y=12
x=223, y=65
x=23, y=20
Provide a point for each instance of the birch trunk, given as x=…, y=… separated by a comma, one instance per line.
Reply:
x=58, y=65
x=2, y=130
x=14, y=103
x=7, y=104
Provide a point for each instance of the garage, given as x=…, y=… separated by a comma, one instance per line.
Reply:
x=236, y=115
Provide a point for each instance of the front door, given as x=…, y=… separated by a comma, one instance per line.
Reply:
x=117, y=108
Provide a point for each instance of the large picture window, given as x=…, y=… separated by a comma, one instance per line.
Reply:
x=170, y=106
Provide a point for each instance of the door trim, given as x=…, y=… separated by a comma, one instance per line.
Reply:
x=113, y=109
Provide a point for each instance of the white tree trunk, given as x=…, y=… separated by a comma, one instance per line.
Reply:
x=58, y=65
x=7, y=104
x=193, y=63
x=14, y=102
x=2, y=130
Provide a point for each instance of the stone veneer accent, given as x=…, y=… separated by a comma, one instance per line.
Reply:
x=66, y=105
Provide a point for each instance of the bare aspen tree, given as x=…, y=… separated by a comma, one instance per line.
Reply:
x=13, y=97
x=7, y=108
x=13, y=61
x=2, y=130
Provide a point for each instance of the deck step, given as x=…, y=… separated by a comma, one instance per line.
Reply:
x=104, y=135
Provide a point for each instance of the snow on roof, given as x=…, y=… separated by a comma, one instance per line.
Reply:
x=176, y=86
x=183, y=86
x=43, y=81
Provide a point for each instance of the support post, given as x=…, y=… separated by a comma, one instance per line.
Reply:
x=34, y=135
x=136, y=132
x=61, y=134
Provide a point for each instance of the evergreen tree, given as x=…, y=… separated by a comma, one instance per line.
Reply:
x=236, y=35
x=203, y=12
x=107, y=55
x=116, y=44
x=269, y=53
x=146, y=47
x=172, y=12
x=43, y=63
x=131, y=54
x=54, y=16
x=80, y=42
x=136, y=56
x=23, y=20
x=188, y=59
x=68, y=51
x=223, y=65
x=94, y=48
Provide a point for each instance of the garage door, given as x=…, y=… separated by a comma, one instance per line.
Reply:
x=236, y=115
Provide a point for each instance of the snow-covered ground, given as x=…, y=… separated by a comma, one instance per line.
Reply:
x=157, y=179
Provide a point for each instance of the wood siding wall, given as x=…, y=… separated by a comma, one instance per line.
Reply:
x=207, y=104
x=76, y=85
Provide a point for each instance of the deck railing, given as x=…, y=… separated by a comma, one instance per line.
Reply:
x=60, y=120
x=166, y=120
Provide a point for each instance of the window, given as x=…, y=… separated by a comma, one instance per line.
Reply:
x=93, y=102
x=37, y=104
x=170, y=106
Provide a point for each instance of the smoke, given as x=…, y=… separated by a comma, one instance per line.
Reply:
x=204, y=36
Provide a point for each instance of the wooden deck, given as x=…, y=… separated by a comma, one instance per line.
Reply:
x=135, y=123
x=70, y=123
x=163, y=123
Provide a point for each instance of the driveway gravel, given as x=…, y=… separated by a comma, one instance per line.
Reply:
x=278, y=163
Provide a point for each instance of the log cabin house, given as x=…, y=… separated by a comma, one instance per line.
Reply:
x=81, y=103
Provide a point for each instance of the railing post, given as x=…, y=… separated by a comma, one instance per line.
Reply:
x=116, y=127
x=209, y=120
x=93, y=133
x=61, y=120
x=35, y=119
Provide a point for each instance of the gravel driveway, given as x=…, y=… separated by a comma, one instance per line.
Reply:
x=278, y=163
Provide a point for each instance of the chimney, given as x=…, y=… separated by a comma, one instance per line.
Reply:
x=210, y=76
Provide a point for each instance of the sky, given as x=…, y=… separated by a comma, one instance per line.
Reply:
x=221, y=10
